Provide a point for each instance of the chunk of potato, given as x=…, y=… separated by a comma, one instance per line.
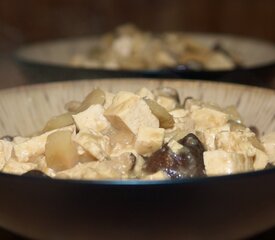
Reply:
x=233, y=114
x=59, y=121
x=97, y=96
x=166, y=120
x=61, y=151
x=72, y=106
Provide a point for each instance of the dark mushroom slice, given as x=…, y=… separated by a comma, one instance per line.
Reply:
x=187, y=162
x=269, y=165
x=255, y=130
x=35, y=173
x=7, y=138
x=194, y=65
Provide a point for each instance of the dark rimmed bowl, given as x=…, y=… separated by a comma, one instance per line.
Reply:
x=49, y=61
x=226, y=207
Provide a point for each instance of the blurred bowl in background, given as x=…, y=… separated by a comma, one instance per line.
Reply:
x=51, y=61
x=225, y=207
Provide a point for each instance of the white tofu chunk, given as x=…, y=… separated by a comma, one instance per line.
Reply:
x=35, y=146
x=219, y=61
x=268, y=142
x=123, y=46
x=19, y=139
x=108, y=99
x=131, y=114
x=137, y=167
x=208, y=118
x=235, y=142
x=168, y=103
x=123, y=162
x=149, y=140
x=160, y=175
x=179, y=114
x=181, y=128
x=243, y=142
x=92, y=119
x=95, y=143
x=6, y=148
x=261, y=160
x=137, y=170
x=145, y=93
x=120, y=141
x=93, y=170
x=19, y=168
x=123, y=96
x=175, y=146
x=208, y=136
x=79, y=171
x=191, y=104
x=219, y=162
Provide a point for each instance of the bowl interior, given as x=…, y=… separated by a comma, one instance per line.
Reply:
x=253, y=53
x=25, y=110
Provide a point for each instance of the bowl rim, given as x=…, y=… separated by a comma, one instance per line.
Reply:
x=138, y=182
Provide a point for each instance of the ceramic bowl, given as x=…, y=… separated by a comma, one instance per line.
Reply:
x=50, y=61
x=223, y=207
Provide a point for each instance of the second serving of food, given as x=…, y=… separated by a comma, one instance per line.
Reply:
x=149, y=134
x=129, y=48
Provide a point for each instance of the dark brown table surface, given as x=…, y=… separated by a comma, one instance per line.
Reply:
x=268, y=235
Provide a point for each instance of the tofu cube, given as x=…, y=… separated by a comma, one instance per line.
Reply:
x=5, y=152
x=178, y=114
x=149, y=140
x=175, y=146
x=108, y=99
x=219, y=162
x=123, y=96
x=168, y=103
x=92, y=119
x=160, y=175
x=260, y=160
x=145, y=93
x=208, y=136
x=131, y=114
x=268, y=142
x=209, y=118
x=14, y=167
x=94, y=143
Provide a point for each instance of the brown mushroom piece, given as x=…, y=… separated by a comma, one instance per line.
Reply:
x=255, y=130
x=187, y=162
x=269, y=165
x=35, y=173
x=7, y=138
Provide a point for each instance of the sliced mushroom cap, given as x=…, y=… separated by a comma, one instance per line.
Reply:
x=186, y=162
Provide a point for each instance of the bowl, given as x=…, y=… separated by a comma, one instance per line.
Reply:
x=50, y=61
x=222, y=207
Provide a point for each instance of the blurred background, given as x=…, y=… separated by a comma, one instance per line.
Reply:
x=28, y=21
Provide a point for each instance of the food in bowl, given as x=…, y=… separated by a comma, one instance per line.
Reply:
x=149, y=135
x=133, y=49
